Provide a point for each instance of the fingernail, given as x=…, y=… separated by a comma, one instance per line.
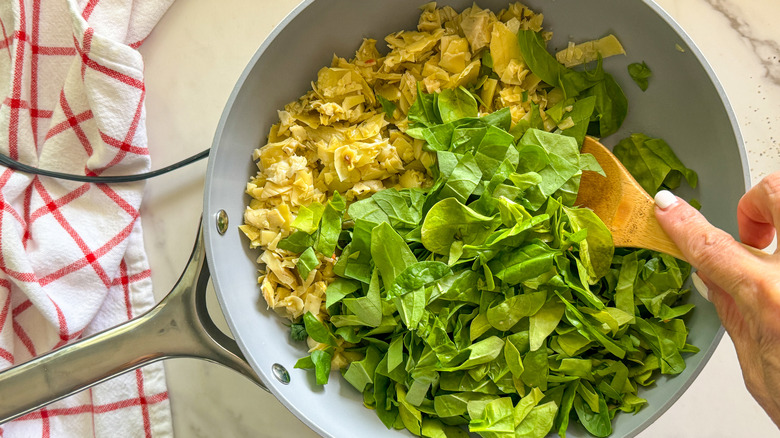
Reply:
x=665, y=199
x=704, y=291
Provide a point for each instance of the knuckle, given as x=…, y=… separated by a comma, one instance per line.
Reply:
x=682, y=220
x=767, y=292
x=770, y=186
x=709, y=246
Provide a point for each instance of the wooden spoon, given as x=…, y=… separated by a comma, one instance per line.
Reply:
x=623, y=205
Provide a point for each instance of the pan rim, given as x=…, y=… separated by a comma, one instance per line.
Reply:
x=209, y=216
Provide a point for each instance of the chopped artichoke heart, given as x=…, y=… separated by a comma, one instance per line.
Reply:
x=505, y=50
x=251, y=232
x=469, y=75
x=339, y=137
x=454, y=53
x=566, y=123
x=488, y=92
x=475, y=23
x=576, y=54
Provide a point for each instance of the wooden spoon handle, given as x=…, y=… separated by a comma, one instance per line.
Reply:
x=662, y=243
x=634, y=225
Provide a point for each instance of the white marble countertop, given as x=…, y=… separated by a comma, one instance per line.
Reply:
x=193, y=59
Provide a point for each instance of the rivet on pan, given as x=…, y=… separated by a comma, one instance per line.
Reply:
x=222, y=221
x=281, y=373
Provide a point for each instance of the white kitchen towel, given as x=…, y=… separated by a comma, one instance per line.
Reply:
x=72, y=260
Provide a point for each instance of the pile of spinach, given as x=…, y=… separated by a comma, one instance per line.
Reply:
x=489, y=300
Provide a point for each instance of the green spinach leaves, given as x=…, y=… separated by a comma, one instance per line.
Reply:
x=489, y=302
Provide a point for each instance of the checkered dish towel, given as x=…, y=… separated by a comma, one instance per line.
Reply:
x=72, y=261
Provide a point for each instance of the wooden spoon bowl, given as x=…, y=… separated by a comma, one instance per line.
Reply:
x=624, y=206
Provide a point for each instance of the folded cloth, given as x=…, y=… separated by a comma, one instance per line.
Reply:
x=72, y=261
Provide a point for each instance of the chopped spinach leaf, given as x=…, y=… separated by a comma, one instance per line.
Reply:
x=640, y=73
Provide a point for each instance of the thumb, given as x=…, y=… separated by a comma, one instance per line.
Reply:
x=712, y=251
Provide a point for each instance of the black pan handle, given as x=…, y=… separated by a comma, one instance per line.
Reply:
x=178, y=326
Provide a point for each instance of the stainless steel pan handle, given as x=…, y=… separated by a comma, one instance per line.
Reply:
x=179, y=326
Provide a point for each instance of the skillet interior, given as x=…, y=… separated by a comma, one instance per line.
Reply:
x=684, y=105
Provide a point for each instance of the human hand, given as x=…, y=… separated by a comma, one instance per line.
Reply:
x=743, y=285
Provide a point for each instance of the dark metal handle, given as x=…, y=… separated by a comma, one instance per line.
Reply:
x=179, y=326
